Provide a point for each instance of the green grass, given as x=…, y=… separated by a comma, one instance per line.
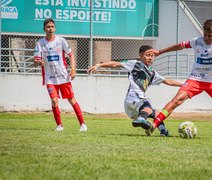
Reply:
x=111, y=149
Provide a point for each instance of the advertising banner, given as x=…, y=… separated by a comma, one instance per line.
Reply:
x=111, y=18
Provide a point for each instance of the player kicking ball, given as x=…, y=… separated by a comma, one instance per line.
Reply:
x=140, y=75
x=200, y=78
x=50, y=55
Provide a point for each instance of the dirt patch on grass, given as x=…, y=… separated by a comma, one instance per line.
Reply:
x=191, y=116
x=174, y=116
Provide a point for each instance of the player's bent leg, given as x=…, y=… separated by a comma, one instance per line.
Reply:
x=141, y=121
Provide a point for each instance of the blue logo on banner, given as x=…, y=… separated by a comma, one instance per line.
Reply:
x=204, y=61
x=53, y=58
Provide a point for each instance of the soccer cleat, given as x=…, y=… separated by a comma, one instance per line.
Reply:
x=83, y=128
x=59, y=128
x=142, y=123
x=163, y=131
x=149, y=132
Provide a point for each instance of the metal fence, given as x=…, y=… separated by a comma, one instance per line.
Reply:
x=17, y=48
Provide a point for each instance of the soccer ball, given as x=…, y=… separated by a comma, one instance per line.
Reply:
x=187, y=130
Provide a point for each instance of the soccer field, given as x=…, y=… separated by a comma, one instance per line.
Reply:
x=111, y=149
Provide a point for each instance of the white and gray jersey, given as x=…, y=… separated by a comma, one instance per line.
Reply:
x=140, y=77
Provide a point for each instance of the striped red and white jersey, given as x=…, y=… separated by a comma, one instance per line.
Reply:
x=53, y=54
x=202, y=67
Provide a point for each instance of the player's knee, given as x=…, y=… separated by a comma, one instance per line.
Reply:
x=54, y=102
x=72, y=101
x=177, y=100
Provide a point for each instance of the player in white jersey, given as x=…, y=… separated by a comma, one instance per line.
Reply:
x=50, y=55
x=141, y=75
x=200, y=78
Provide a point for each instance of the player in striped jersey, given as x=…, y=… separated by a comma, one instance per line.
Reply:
x=50, y=55
x=137, y=106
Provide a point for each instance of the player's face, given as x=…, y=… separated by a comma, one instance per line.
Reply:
x=208, y=38
x=49, y=28
x=147, y=58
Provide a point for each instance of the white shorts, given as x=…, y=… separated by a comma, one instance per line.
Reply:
x=132, y=108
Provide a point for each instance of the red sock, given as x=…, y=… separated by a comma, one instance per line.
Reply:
x=78, y=112
x=56, y=113
x=160, y=118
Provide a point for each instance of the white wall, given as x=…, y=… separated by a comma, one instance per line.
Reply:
x=94, y=94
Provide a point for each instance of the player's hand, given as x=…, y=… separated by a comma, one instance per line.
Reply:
x=39, y=62
x=93, y=68
x=72, y=74
x=153, y=51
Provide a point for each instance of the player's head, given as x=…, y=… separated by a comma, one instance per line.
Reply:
x=49, y=26
x=146, y=56
x=207, y=30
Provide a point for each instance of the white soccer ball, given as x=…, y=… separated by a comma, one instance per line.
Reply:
x=187, y=130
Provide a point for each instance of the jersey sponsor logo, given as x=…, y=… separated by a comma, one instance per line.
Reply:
x=58, y=50
x=201, y=75
x=50, y=90
x=199, y=44
x=204, y=61
x=205, y=69
x=205, y=54
x=53, y=58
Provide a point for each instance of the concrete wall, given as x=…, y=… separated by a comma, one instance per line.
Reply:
x=94, y=94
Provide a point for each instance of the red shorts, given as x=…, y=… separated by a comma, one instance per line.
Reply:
x=64, y=89
x=193, y=87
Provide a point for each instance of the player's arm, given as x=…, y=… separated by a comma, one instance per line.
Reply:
x=38, y=56
x=73, y=66
x=110, y=64
x=175, y=47
x=70, y=53
x=171, y=82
